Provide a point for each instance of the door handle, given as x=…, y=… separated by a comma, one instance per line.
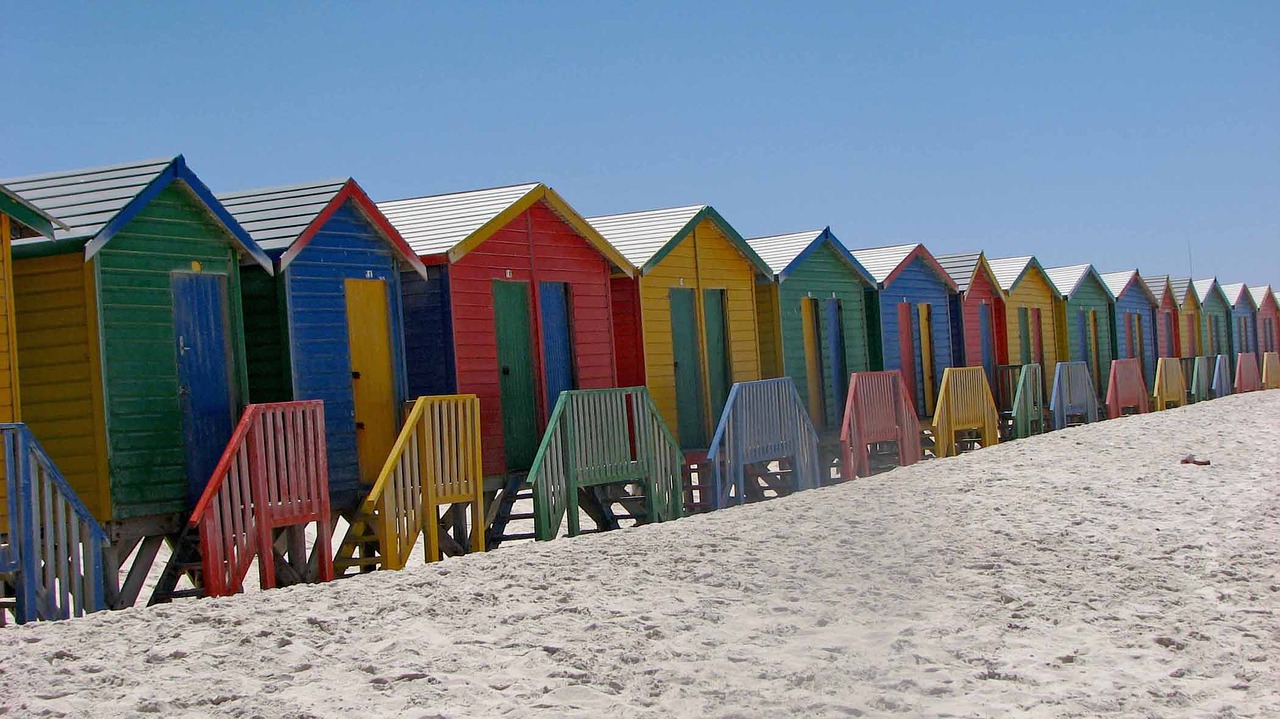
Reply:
x=355, y=375
x=506, y=370
x=359, y=425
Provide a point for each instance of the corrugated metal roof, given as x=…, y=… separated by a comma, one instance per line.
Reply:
x=1237, y=291
x=276, y=216
x=1260, y=294
x=961, y=267
x=1008, y=270
x=641, y=235
x=1157, y=284
x=1181, y=289
x=882, y=261
x=1204, y=288
x=30, y=220
x=1118, y=281
x=436, y=223
x=779, y=251
x=1066, y=279
x=86, y=200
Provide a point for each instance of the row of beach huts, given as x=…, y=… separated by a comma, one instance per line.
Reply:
x=302, y=382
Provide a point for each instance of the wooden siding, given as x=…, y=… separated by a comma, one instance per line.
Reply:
x=428, y=332
x=706, y=259
x=346, y=247
x=58, y=359
x=1133, y=301
x=144, y=412
x=1168, y=343
x=536, y=246
x=982, y=293
x=1243, y=339
x=1268, y=327
x=10, y=401
x=1216, y=309
x=266, y=345
x=628, y=334
x=769, y=330
x=1033, y=293
x=917, y=284
x=1091, y=296
x=823, y=274
x=1190, y=329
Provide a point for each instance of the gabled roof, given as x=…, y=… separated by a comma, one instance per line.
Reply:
x=1260, y=295
x=884, y=263
x=1118, y=282
x=782, y=253
x=1158, y=285
x=94, y=204
x=1206, y=288
x=1010, y=271
x=964, y=266
x=645, y=237
x=1183, y=291
x=453, y=224
x=31, y=219
x=284, y=219
x=1238, y=292
x=1068, y=279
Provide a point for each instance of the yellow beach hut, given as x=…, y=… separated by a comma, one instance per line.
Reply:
x=1034, y=328
x=686, y=326
x=1189, y=323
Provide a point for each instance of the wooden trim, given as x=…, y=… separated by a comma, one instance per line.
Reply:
x=6, y=246
x=93, y=318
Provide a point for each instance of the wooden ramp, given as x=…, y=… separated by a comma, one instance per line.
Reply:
x=1126, y=388
x=608, y=453
x=1073, y=400
x=1271, y=370
x=765, y=444
x=965, y=404
x=51, y=554
x=1247, y=379
x=434, y=464
x=270, y=484
x=1170, y=389
x=1221, y=384
x=877, y=411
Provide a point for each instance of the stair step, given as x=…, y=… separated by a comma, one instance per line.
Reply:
x=184, y=594
x=520, y=515
x=359, y=562
x=523, y=535
x=362, y=539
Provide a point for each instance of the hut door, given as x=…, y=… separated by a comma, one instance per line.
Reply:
x=372, y=386
x=557, y=339
x=516, y=385
x=691, y=418
x=204, y=373
x=924, y=311
x=1024, y=335
x=713, y=310
x=907, y=352
x=987, y=342
x=836, y=369
x=812, y=359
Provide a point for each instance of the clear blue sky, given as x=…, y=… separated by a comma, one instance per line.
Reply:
x=1112, y=133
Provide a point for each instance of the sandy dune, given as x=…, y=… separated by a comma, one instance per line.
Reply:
x=1079, y=574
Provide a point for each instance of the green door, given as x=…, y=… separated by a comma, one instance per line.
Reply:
x=691, y=418
x=515, y=367
x=717, y=351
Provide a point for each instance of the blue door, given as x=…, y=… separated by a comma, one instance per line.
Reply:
x=557, y=339
x=204, y=377
x=833, y=335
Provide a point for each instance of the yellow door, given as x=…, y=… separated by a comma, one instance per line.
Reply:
x=812, y=359
x=369, y=338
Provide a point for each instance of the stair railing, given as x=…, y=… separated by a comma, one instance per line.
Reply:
x=1073, y=395
x=1028, y=402
x=604, y=437
x=274, y=473
x=763, y=420
x=1170, y=388
x=1126, y=388
x=877, y=409
x=1221, y=385
x=1247, y=379
x=964, y=403
x=54, y=550
x=1271, y=370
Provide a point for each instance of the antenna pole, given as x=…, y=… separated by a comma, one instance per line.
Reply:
x=1190, y=269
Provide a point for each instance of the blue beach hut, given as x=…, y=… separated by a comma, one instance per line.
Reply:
x=1135, y=320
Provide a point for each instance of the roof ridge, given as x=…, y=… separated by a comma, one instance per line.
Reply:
x=74, y=172
x=462, y=192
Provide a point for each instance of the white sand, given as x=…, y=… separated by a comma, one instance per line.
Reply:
x=1079, y=574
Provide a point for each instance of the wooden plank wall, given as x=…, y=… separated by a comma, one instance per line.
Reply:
x=1033, y=293
x=917, y=284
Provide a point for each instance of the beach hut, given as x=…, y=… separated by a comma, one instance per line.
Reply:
x=1136, y=324
x=1032, y=327
x=1244, y=319
x=915, y=317
x=1268, y=319
x=1167, y=327
x=328, y=325
x=515, y=309
x=817, y=314
x=1215, y=318
x=131, y=348
x=686, y=324
x=19, y=220
x=981, y=341
x=1189, y=316
x=1085, y=308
